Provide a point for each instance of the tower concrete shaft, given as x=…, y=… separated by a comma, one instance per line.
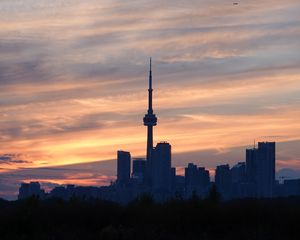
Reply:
x=150, y=120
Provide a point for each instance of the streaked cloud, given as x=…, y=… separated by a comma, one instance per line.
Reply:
x=73, y=79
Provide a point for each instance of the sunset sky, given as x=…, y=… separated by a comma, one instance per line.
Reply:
x=73, y=84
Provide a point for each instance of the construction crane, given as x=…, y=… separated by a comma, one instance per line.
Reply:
x=266, y=137
x=271, y=136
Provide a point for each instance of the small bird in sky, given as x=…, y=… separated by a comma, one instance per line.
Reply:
x=235, y=3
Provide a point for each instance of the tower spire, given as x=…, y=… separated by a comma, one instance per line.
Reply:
x=150, y=121
x=150, y=74
x=150, y=90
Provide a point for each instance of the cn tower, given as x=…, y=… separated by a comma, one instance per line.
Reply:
x=150, y=120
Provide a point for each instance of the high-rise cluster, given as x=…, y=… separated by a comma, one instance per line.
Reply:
x=155, y=172
x=155, y=175
x=253, y=178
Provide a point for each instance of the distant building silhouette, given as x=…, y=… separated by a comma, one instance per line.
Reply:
x=197, y=180
x=139, y=169
x=31, y=189
x=123, y=172
x=238, y=180
x=161, y=168
x=252, y=171
x=191, y=178
x=204, y=179
x=173, y=179
x=291, y=187
x=238, y=172
x=260, y=169
x=266, y=169
x=223, y=181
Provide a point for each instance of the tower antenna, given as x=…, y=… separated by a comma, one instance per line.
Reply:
x=150, y=121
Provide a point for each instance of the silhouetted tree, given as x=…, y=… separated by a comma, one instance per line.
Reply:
x=248, y=219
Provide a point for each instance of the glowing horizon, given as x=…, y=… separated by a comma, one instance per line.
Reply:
x=74, y=77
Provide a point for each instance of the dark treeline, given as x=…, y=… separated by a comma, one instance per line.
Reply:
x=143, y=219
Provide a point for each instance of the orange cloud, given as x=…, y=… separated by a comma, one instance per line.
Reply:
x=74, y=77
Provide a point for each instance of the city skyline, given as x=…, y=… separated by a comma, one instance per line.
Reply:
x=64, y=105
x=154, y=174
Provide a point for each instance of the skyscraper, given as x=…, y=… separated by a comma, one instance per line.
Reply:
x=31, y=189
x=251, y=165
x=223, y=181
x=161, y=167
x=123, y=172
x=196, y=180
x=266, y=169
x=260, y=169
x=238, y=180
x=191, y=178
x=139, y=169
x=238, y=173
x=150, y=120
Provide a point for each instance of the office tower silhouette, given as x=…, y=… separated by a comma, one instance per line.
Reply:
x=123, y=165
x=204, y=179
x=238, y=172
x=291, y=187
x=31, y=189
x=238, y=180
x=260, y=169
x=266, y=169
x=150, y=121
x=251, y=165
x=251, y=171
x=139, y=169
x=223, y=181
x=191, y=179
x=161, y=168
x=173, y=179
x=197, y=180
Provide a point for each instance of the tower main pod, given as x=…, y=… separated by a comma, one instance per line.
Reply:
x=150, y=121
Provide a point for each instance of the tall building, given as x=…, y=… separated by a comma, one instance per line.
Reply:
x=266, y=169
x=139, y=169
x=223, y=181
x=191, y=178
x=196, y=180
x=123, y=171
x=238, y=180
x=161, y=174
x=238, y=173
x=31, y=189
x=291, y=187
x=260, y=169
x=150, y=121
x=251, y=172
x=204, y=178
x=251, y=165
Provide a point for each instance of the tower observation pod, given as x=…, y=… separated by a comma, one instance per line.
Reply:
x=150, y=121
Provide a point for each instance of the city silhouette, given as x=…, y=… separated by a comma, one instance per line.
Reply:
x=149, y=200
x=149, y=120
x=154, y=176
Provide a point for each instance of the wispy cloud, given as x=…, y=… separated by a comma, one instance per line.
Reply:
x=11, y=159
x=73, y=77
